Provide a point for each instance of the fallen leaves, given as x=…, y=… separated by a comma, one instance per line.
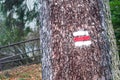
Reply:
x=28, y=72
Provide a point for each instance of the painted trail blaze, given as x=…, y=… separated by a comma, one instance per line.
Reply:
x=82, y=38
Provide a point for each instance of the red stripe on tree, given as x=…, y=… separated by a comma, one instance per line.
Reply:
x=81, y=38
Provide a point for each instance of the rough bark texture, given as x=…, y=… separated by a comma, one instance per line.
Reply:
x=113, y=49
x=61, y=59
x=45, y=40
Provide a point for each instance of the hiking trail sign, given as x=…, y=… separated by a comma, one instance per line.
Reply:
x=82, y=38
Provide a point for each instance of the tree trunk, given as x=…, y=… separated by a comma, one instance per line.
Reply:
x=74, y=40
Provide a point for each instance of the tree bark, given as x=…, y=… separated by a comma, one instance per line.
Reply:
x=113, y=46
x=62, y=59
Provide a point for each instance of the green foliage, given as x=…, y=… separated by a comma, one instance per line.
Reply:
x=21, y=79
x=8, y=36
x=1, y=77
x=9, y=4
x=16, y=15
x=115, y=12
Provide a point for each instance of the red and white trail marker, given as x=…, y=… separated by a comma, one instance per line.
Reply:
x=82, y=38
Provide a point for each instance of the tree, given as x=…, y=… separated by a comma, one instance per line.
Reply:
x=14, y=26
x=17, y=14
x=77, y=40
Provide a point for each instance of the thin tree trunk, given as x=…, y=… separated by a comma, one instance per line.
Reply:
x=65, y=59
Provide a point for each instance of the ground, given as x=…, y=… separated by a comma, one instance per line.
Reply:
x=28, y=72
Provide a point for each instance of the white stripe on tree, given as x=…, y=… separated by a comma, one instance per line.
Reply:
x=80, y=33
x=82, y=43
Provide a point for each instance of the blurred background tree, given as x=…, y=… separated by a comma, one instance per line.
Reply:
x=18, y=22
x=17, y=16
x=115, y=14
